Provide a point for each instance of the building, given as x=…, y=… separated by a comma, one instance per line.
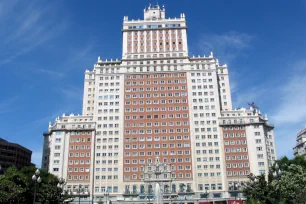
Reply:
x=300, y=148
x=12, y=154
x=158, y=102
x=248, y=140
x=67, y=151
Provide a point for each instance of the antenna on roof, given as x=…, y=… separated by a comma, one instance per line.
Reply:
x=253, y=106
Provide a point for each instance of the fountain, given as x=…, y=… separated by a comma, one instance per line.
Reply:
x=158, y=195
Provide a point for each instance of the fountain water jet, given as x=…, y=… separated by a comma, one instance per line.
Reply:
x=158, y=195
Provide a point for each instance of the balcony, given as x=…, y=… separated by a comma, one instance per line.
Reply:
x=157, y=172
x=222, y=123
x=185, y=192
x=79, y=194
x=130, y=193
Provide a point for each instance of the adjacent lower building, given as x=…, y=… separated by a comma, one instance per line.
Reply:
x=68, y=152
x=12, y=154
x=248, y=141
x=300, y=148
x=158, y=103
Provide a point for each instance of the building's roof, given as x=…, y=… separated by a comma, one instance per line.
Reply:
x=3, y=141
x=301, y=132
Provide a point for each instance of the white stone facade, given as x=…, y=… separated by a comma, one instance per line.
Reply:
x=158, y=45
x=300, y=148
x=67, y=150
x=259, y=138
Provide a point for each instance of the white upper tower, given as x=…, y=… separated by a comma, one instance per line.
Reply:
x=155, y=34
x=154, y=13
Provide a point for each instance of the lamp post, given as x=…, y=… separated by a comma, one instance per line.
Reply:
x=106, y=194
x=36, y=179
x=235, y=186
x=253, y=183
x=206, y=192
x=60, y=186
x=149, y=192
x=79, y=192
x=277, y=175
x=70, y=193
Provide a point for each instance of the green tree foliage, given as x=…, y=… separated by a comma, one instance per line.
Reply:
x=292, y=185
x=258, y=190
x=17, y=187
x=289, y=188
x=284, y=162
x=13, y=187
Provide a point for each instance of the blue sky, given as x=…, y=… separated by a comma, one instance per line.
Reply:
x=46, y=46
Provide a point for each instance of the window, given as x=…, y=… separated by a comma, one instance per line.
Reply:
x=115, y=189
x=261, y=171
x=261, y=163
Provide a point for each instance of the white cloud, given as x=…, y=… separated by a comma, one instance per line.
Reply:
x=50, y=73
x=292, y=106
x=8, y=104
x=72, y=93
x=289, y=112
x=254, y=94
x=6, y=6
x=228, y=46
x=85, y=52
x=34, y=25
x=285, y=139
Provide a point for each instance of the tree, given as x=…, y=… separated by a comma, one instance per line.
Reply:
x=289, y=188
x=258, y=189
x=16, y=187
x=292, y=185
x=284, y=162
x=13, y=187
x=48, y=190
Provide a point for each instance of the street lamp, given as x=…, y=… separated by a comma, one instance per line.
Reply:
x=70, y=193
x=277, y=175
x=235, y=186
x=79, y=192
x=36, y=179
x=106, y=194
x=243, y=185
x=254, y=181
x=60, y=186
x=149, y=192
